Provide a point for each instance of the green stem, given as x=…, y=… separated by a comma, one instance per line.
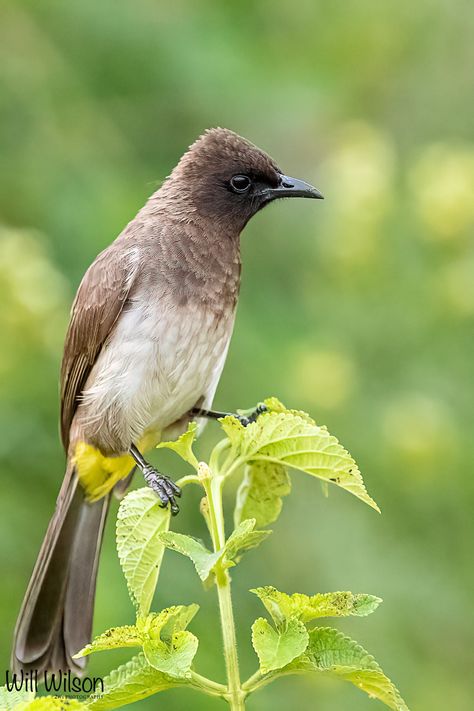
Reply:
x=229, y=469
x=257, y=681
x=252, y=681
x=213, y=489
x=216, y=454
x=188, y=479
x=235, y=695
x=208, y=686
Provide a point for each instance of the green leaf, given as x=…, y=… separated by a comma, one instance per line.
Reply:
x=162, y=625
x=170, y=620
x=132, y=682
x=243, y=538
x=277, y=649
x=51, y=703
x=305, y=608
x=260, y=493
x=114, y=638
x=293, y=440
x=166, y=645
x=204, y=561
x=233, y=429
x=140, y=519
x=332, y=653
x=184, y=445
x=274, y=405
x=174, y=657
x=10, y=699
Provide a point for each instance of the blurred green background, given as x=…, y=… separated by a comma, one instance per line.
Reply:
x=359, y=309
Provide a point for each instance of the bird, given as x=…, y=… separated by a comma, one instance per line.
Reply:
x=148, y=336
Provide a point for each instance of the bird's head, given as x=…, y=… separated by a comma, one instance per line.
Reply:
x=224, y=177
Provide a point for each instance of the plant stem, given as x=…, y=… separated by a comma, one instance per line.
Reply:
x=257, y=681
x=188, y=479
x=213, y=489
x=235, y=695
x=208, y=686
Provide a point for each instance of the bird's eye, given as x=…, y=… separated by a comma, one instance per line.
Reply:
x=240, y=183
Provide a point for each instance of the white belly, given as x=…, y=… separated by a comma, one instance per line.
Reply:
x=161, y=359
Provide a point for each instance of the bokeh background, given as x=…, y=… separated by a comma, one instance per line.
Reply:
x=359, y=309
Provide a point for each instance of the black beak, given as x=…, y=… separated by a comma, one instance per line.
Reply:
x=291, y=187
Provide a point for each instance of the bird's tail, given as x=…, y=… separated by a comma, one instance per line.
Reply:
x=55, y=619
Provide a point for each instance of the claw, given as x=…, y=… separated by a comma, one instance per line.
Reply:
x=163, y=487
x=175, y=487
x=170, y=487
x=246, y=420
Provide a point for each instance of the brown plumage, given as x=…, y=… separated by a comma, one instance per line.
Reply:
x=98, y=304
x=149, y=332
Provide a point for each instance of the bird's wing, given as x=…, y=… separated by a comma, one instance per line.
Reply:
x=98, y=304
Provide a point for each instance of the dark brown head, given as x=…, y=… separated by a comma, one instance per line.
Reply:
x=226, y=178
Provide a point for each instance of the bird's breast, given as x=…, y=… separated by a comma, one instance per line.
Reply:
x=161, y=358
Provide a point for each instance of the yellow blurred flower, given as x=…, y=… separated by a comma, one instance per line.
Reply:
x=358, y=177
x=442, y=182
x=456, y=286
x=33, y=294
x=421, y=433
x=360, y=170
x=324, y=377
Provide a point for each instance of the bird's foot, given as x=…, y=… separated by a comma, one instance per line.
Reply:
x=249, y=416
x=245, y=417
x=163, y=486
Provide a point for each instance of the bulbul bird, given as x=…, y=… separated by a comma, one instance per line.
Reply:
x=147, y=340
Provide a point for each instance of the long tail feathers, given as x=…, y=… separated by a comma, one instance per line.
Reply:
x=55, y=620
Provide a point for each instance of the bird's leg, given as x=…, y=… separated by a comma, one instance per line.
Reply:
x=245, y=419
x=162, y=485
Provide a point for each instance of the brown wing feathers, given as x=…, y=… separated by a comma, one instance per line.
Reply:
x=97, y=306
